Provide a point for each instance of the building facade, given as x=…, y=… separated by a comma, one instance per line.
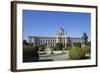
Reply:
x=61, y=37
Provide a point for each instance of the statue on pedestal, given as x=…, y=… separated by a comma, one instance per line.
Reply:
x=48, y=49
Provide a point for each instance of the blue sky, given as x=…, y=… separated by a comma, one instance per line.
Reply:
x=47, y=23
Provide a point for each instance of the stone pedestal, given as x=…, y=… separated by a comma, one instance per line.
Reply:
x=48, y=50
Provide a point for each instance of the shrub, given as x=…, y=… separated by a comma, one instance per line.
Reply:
x=68, y=45
x=53, y=48
x=25, y=42
x=30, y=44
x=41, y=48
x=87, y=49
x=77, y=45
x=59, y=46
x=30, y=54
x=66, y=48
x=28, y=47
x=76, y=53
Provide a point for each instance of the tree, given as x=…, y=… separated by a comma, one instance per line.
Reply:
x=89, y=43
x=53, y=47
x=59, y=46
x=41, y=48
x=78, y=44
x=85, y=37
x=25, y=42
x=68, y=45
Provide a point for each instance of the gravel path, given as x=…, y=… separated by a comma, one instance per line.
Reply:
x=55, y=57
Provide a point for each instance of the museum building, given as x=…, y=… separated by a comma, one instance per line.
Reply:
x=61, y=37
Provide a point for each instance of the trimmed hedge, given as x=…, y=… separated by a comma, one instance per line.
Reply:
x=76, y=53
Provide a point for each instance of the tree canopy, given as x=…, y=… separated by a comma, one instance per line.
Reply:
x=85, y=37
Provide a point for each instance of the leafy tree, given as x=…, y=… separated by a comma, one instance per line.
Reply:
x=30, y=44
x=89, y=43
x=68, y=45
x=78, y=44
x=25, y=42
x=59, y=46
x=53, y=47
x=41, y=48
x=85, y=37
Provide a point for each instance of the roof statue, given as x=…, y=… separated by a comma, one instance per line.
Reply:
x=61, y=32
